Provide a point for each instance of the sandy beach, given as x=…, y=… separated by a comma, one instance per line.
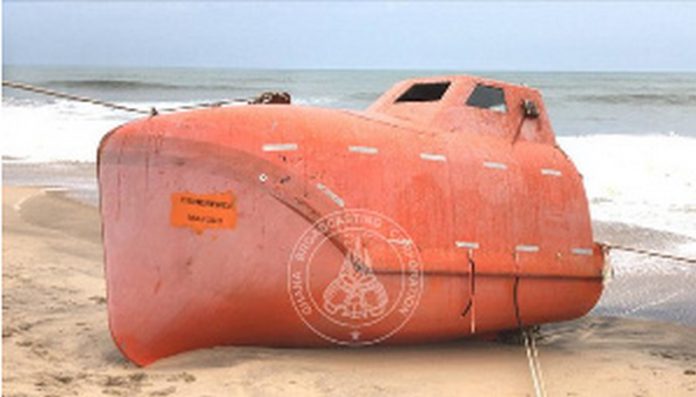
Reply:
x=56, y=340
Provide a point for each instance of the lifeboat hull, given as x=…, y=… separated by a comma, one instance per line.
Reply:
x=280, y=225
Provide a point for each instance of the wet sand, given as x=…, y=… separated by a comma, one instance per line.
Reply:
x=56, y=339
x=644, y=286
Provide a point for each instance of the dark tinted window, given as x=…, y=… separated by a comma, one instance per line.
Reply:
x=424, y=92
x=488, y=97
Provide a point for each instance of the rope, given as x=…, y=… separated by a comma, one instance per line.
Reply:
x=115, y=106
x=650, y=253
x=48, y=92
x=204, y=105
x=529, y=346
x=533, y=361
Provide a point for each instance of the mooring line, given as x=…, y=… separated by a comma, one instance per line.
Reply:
x=646, y=252
x=204, y=105
x=529, y=346
x=77, y=98
x=534, y=365
x=111, y=105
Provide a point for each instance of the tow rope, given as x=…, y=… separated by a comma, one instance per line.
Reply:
x=651, y=253
x=115, y=106
x=529, y=346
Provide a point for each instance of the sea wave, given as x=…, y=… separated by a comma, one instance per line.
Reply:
x=647, y=180
x=132, y=85
x=365, y=96
x=111, y=84
x=684, y=99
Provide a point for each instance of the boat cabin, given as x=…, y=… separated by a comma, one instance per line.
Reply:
x=469, y=104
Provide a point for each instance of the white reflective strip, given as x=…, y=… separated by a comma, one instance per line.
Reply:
x=399, y=241
x=333, y=196
x=363, y=149
x=527, y=248
x=279, y=147
x=582, y=251
x=495, y=165
x=433, y=157
x=466, y=244
x=550, y=172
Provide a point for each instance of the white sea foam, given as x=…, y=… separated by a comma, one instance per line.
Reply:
x=648, y=180
x=61, y=131
x=43, y=132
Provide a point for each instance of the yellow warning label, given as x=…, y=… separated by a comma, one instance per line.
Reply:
x=204, y=211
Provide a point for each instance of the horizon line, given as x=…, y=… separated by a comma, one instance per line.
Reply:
x=337, y=69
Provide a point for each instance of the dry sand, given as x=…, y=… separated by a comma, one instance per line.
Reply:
x=56, y=340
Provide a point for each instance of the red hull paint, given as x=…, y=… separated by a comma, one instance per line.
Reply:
x=463, y=183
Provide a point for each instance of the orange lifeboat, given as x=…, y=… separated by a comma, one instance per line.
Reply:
x=445, y=209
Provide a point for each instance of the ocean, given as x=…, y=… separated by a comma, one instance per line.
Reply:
x=631, y=135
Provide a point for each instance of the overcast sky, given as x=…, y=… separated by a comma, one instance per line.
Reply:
x=454, y=35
